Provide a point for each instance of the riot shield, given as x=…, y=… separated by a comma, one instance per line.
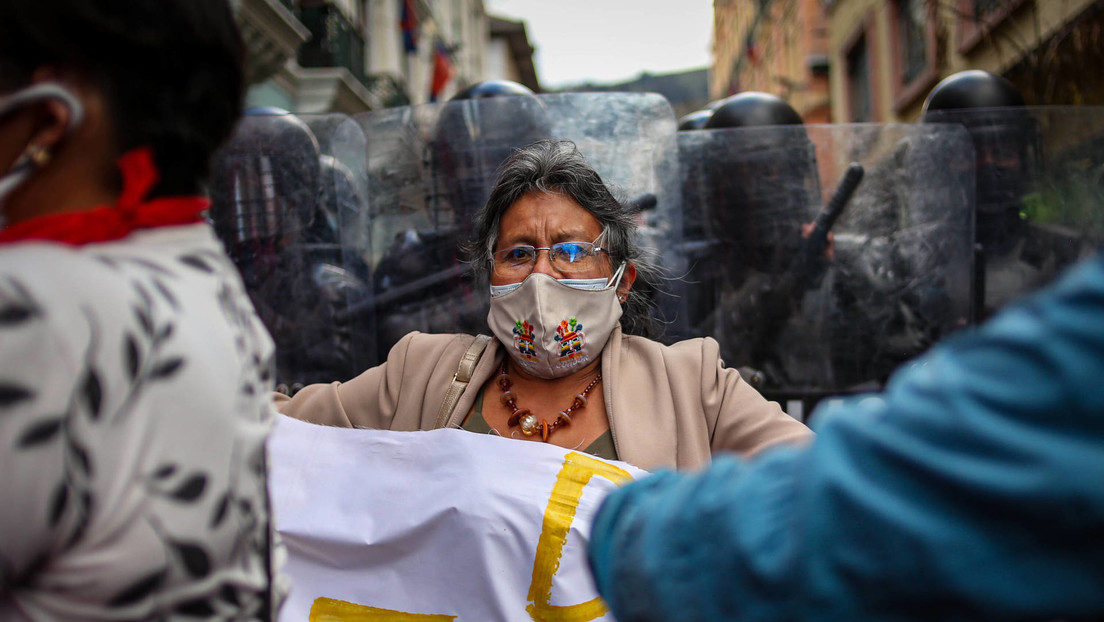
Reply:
x=343, y=272
x=1039, y=195
x=431, y=168
x=815, y=286
x=278, y=203
x=630, y=139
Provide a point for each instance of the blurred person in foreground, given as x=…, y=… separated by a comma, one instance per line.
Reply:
x=568, y=364
x=969, y=489
x=135, y=377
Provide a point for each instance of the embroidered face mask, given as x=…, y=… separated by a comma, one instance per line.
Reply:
x=552, y=328
x=27, y=163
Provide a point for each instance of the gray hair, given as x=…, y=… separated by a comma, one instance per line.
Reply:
x=557, y=167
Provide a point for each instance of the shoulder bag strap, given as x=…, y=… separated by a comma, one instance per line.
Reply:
x=461, y=378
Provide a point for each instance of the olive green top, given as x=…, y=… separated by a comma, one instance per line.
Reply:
x=601, y=447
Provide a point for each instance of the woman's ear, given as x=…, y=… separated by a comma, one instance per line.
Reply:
x=628, y=277
x=52, y=119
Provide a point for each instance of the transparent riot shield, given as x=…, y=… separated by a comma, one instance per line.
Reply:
x=423, y=203
x=431, y=168
x=343, y=272
x=1039, y=195
x=823, y=257
x=630, y=139
x=278, y=204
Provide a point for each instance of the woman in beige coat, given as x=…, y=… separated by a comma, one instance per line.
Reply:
x=567, y=364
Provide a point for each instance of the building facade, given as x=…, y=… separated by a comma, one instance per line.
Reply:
x=348, y=56
x=876, y=60
x=510, y=54
x=886, y=55
x=774, y=46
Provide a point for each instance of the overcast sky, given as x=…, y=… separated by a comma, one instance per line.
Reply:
x=608, y=41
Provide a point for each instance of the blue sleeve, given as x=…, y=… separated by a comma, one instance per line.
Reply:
x=972, y=488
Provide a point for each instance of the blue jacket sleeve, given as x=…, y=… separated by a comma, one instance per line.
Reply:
x=972, y=488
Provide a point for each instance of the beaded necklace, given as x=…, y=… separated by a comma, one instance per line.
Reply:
x=525, y=417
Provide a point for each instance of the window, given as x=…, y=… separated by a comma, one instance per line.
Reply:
x=858, y=81
x=987, y=8
x=979, y=17
x=912, y=31
x=912, y=25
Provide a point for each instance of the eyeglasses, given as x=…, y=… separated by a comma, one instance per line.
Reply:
x=566, y=258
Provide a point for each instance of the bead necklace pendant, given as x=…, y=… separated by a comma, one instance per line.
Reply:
x=528, y=424
x=527, y=421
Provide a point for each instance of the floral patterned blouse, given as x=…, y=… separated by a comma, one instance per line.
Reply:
x=134, y=406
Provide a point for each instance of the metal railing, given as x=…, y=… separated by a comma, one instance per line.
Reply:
x=334, y=40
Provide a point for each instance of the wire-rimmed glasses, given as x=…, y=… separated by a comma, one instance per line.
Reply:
x=517, y=262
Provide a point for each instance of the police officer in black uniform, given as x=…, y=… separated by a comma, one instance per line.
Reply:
x=758, y=188
x=338, y=266
x=421, y=281
x=1013, y=255
x=265, y=192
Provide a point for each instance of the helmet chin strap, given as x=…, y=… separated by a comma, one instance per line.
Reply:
x=34, y=157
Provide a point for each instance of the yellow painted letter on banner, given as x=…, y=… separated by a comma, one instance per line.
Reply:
x=577, y=471
x=330, y=610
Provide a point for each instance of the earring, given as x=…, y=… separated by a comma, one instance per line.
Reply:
x=34, y=155
x=38, y=154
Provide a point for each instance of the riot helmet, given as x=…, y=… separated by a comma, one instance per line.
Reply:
x=765, y=183
x=695, y=120
x=492, y=88
x=476, y=131
x=264, y=186
x=753, y=109
x=1005, y=142
x=973, y=88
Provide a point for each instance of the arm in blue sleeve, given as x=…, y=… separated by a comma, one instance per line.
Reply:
x=972, y=488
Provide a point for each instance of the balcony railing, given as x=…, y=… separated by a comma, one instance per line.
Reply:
x=334, y=40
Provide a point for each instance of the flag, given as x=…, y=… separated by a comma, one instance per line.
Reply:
x=752, y=50
x=442, y=70
x=409, y=25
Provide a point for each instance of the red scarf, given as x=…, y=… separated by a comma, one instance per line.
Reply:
x=105, y=223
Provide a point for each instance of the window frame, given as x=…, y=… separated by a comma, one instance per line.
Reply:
x=905, y=93
x=864, y=34
x=972, y=31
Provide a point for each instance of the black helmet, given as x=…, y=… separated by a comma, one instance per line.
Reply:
x=753, y=109
x=476, y=131
x=1005, y=142
x=695, y=120
x=493, y=88
x=264, y=181
x=972, y=89
x=762, y=182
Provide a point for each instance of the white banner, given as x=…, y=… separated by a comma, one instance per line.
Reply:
x=441, y=525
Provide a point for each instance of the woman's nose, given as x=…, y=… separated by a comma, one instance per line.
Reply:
x=544, y=264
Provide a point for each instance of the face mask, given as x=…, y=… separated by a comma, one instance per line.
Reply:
x=25, y=166
x=585, y=284
x=552, y=328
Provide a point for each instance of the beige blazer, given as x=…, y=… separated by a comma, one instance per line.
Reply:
x=668, y=406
